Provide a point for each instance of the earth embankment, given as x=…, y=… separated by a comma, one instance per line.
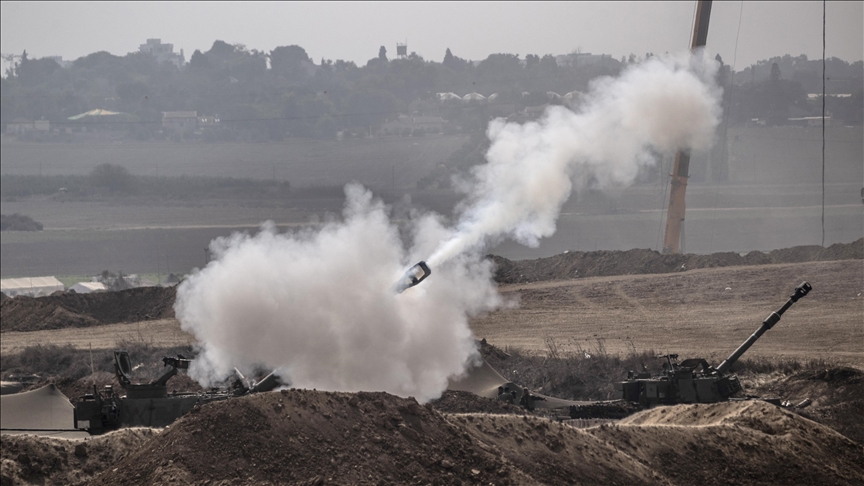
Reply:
x=24, y=313
x=309, y=437
x=150, y=303
x=579, y=264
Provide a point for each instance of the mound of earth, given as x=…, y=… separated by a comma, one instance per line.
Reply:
x=146, y=303
x=28, y=459
x=836, y=396
x=749, y=442
x=81, y=310
x=578, y=264
x=309, y=437
x=466, y=402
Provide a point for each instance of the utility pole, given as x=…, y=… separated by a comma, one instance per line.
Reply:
x=681, y=170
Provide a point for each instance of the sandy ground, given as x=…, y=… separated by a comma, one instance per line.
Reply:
x=376, y=438
x=700, y=313
x=158, y=333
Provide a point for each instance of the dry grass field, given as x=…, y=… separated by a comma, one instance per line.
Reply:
x=350, y=438
x=699, y=313
x=162, y=333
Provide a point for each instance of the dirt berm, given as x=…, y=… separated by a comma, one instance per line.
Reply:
x=82, y=310
x=309, y=437
x=146, y=303
x=29, y=459
x=578, y=264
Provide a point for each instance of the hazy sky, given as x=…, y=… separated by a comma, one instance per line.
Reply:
x=472, y=30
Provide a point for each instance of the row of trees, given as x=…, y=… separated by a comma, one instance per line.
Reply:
x=293, y=95
x=283, y=92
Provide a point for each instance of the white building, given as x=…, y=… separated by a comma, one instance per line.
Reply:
x=180, y=120
x=448, y=96
x=473, y=97
x=88, y=287
x=32, y=286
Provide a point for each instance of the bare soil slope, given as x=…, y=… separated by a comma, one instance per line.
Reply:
x=28, y=459
x=699, y=313
x=149, y=303
x=83, y=310
x=309, y=437
x=579, y=264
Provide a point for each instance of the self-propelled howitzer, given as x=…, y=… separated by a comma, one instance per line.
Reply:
x=150, y=404
x=693, y=380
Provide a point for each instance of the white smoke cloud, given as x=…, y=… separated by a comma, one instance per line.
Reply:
x=319, y=307
x=661, y=105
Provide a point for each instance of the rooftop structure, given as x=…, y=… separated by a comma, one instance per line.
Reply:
x=162, y=52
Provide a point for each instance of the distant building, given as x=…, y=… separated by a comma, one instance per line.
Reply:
x=163, y=52
x=574, y=98
x=407, y=124
x=88, y=287
x=30, y=286
x=180, y=120
x=19, y=126
x=809, y=121
x=816, y=96
x=448, y=96
x=208, y=121
x=578, y=59
x=429, y=123
x=529, y=113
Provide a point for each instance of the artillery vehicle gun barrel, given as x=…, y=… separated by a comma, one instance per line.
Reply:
x=684, y=382
x=768, y=323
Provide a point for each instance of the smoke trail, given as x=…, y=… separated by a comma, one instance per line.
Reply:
x=318, y=306
x=661, y=104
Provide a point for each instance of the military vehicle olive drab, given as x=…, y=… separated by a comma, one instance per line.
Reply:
x=694, y=380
